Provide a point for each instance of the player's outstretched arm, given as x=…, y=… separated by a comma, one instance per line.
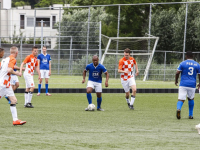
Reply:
x=84, y=74
x=107, y=77
x=176, y=77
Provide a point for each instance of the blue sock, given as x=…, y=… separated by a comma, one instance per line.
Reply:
x=8, y=99
x=39, y=88
x=191, y=106
x=99, y=100
x=46, y=86
x=89, y=97
x=179, y=105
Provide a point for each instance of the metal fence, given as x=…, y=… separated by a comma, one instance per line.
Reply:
x=72, y=43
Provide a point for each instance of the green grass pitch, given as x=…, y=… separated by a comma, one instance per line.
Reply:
x=60, y=122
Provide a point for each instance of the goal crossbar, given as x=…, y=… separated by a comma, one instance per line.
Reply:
x=142, y=38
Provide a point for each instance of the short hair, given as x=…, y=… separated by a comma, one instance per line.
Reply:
x=127, y=50
x=189, y=54
x=34, y=47
x=44, y=46
x=13, y=49
x=1, y=49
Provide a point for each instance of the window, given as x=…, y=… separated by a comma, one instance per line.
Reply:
x=30, y=22
x=46, y=22
x=22, y=22
x=53, y=22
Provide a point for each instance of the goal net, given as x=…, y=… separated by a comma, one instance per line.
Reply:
x=142, y=49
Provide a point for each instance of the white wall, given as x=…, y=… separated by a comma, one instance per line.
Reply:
x=6, y=4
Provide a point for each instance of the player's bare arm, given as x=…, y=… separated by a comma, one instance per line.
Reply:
x=121, y=71
x=107, y=77
x=137, y=71
x=18, y=68
x=38, y=71
x=84, y=74
x=198, y=85
x=176, y=77
x=49, y=68
x=11, y=71
x=21, y=67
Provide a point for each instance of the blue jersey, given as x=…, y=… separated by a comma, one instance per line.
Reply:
x=95, y=72
x=189, y=70
x=44, y=61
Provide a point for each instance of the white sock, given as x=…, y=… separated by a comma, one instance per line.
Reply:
x=30, y=95
x=127, y=100
x=26, y=98
x=13, y=110
x=132, y=100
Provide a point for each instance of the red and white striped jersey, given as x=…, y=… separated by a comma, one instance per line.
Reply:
x=126, y=65
x=31, y=62
x=8, y=62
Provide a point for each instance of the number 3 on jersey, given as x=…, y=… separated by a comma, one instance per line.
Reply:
x=191, y=70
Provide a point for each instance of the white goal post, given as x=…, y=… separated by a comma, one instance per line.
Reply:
x=139, y=46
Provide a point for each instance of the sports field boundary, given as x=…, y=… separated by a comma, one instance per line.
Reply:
x=105, y=90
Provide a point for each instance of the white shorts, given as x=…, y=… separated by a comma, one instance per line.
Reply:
x=186, y=91
x=29, y=80
x=44, y=73
x=126, y=84
x=14, y=79
x=6, y=92
x=95, y=85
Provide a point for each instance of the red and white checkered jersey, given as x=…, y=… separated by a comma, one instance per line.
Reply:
x=8, y=62
x=31, y=62
x=126, y=65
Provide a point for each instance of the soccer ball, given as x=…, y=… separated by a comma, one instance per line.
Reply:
x=91, y=107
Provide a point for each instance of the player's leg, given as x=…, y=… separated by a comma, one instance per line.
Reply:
x=98, y=90
x=30, y=86
x=182, y=93
x=40, y=82
x=90, y=87
x=15, y=86
x=47, y=82
x=13, y=108
x=191, y=94
x=132, y=84
x=127, y=90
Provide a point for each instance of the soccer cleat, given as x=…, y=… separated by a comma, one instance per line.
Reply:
x=128, y=104
x=8, y=99
x=48, y=94
x=100, y=109
x=178, y=114
x=131, y=107
x=190, y=117
x=198, y=128
x=28, y=105
x=18, y=122
x=38, y=94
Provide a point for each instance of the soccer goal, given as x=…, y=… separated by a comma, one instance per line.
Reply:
x=142, y=49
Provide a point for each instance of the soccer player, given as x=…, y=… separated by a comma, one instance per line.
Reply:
x=189, y=70
x=6, y=69
x=95, y=79
x=31, y=64
x=44, y=60
x=14, y=79
x=127, y=78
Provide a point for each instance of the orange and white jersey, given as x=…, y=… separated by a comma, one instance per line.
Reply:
x=30, y=62
x=126, y=65
x=8, y=62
